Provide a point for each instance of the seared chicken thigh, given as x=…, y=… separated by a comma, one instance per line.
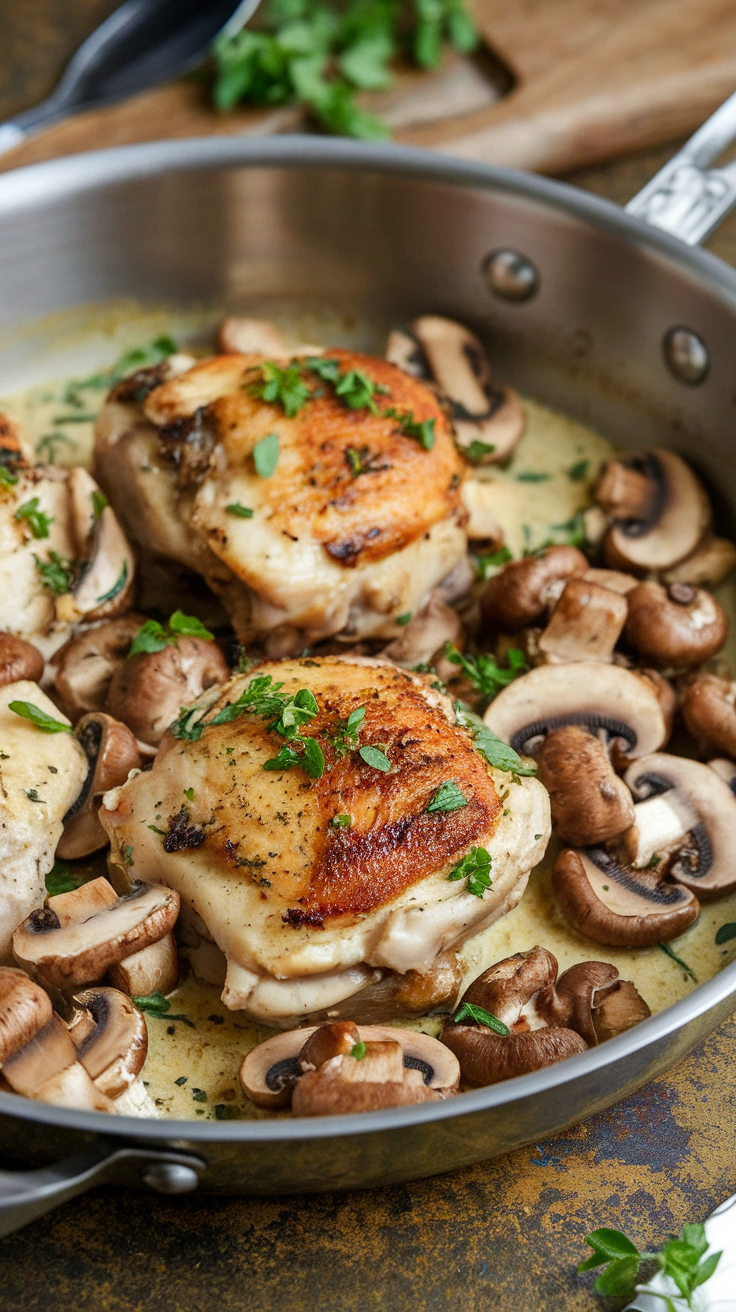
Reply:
x=333, y=506
x=317, y=859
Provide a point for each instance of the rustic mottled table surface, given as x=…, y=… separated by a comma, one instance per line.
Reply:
x=502, y=1237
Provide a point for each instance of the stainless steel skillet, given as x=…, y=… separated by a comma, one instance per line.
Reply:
x=586, y=307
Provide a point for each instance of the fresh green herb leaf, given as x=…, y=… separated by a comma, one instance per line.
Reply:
x=360, y=461
x=189, y=794
x=576, y=473
x=188, y=626
x=7, y=477
x=484, y=562
x=682, y=1260
x=497, y=753
x=313, y=761
x=190, y=724
x=62, y=879
x=447, y=798
x=341, y=822
x=156, y=1004
x=57, y=574
x=726, y=933
x=347, y=733
x=281, y=385
x=33, y=795
x=199, y=1095
x=670, y=952
x=476, y=451
x=266, y=455
x=40, y=719
x=261, y=696
x=470, y=1011
x=37, y=520
x=181, y=1080
x=374, y=757
x=296, y=711
x=531, y=476
x=46, y=447
x=403, y=619
x=483, y=671
x=421, y=430
x=226, y=1111
x=117, y=586
x=99, y=503
x=358, y=1051
x=240, y=512
x=152, y=636
x=357, y=391
x=475, y=866
x=324, y=367
x=141, y=357
x=154, y=829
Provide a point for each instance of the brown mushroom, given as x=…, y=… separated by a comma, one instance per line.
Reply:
x=19, y=660
x=589, y=803
x=678, y=627
x=510, y=991
x=154, y=969
x=76, y=953
x=524, y=589
x=710, y=563
x=147, y=691
x=660, y=511
x=586, y=623
x=110, y=1038
x=709, y=711
x=86, y=663
x=403, y=350
x=112, y=753
x=426, y=634
x=366, y=1083
x=620, y=1010
x=270, y=1071
x=24, y=1010
x=591, y=999
x=238, y=336
x=608, y=901
x=106, y=582
x=611, y=578
x=482, y=410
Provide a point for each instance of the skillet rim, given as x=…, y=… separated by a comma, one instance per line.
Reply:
x=22, y=188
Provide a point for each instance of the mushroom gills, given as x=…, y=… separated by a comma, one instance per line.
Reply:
x=610, y=903
x=110, y=1038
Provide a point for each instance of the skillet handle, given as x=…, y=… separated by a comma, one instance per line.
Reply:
x=24, y=1195
x=687, y=198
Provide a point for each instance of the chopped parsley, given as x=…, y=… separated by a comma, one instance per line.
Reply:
x=62, y=879
x=239, y=512
x=57, y=574
x=156, y=1004
x=497, y=753
x=40, y=719
x=475, y=866
x=360, y=461
x=266, y=455
x=470, y=1011
x=341, y=822
x=726, y=933
x=421, y=430
x=477, y=450
x=374, y=757
x=358, y=1050
x=577, y=472
x=226, y=1111
x=281, y=385
x=37, y=520
x=488, y=560
x=7, y=477
x=531, y=476
x=670, y=952
x=403, y=619
x=126, y=855
x=141, y=357
x=347, y=733
x=311, y=759
x=99, y=503
x=447, y=798
x=189, y=725
x=152, y=636
x=484, y=672
x=181, y=1080
x=261, y=696
x=357, y=391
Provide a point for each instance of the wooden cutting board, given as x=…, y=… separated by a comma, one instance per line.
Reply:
x=590, y=79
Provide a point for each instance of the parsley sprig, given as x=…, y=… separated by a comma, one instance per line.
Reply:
x=485, y=673
x=475, y=867
x=681, y=1259
x=347, y=733
x=141, y=357
x=282, y=385
x=497, y=753
x=421, y=430
x=152, y=636
x=156, y=1004
x=37, y=520
x=448, y=797
x=62, y=879
x=57, y=574
x=38, y=718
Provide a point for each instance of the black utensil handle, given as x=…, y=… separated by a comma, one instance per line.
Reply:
x=24, y=1195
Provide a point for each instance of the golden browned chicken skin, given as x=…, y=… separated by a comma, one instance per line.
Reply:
x=309, y=885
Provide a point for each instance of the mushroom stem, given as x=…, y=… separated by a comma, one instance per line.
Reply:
x=585, y=624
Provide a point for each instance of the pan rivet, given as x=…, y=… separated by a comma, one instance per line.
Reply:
x=170, y=1178
x=510, y=275
x=686, y=355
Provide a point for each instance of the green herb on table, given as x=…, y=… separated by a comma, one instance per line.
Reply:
x=683, y=1260
x=475, y=866
x=497, y=753
x=477, y=450
x=374, y=757
x=320, y=54
x=281, y=385
x=57, y=574
x=469, y=1011
x=238, y=511
x=152, y=636
x=725, y=933
x=670, y=952
x=37, y=520
x=447, y=798
x=485, y=673
x=38, y=718
x=62, y=879
x=266, y=455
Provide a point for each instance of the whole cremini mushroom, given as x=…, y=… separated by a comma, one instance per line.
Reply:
x=605, y=899
x=521, y=593
x=112, y=753
x=510, y=992
x=709, y=711
x=591, y=999
x=660, y=511
x=84, y=666
x=19, y=660
x=148, y=690
x=589, y=803
x=678, y=627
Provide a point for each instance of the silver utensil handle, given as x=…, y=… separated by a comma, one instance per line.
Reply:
x=688, y=198
x=24, y=1195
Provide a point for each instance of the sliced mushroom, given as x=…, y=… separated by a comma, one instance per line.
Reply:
x=426, y=634
x=112, y=753
x=348, y=1084
x=85, y=665
x=237, y=336
x=608, y=901
x=678, y=627
x=154, y=969
x=335, y=1039
x=710, y=563
x=510, y=991
x=270, y=1071
x=24, y=1010
x=110, y=1038
x=67, y=956
x=107, y=578
x=709, y=711
x=585, y=624
x=19, y=660
x=666, y=696
x=403, y=350
x=591, y=999
x=660, y=511
x=725, y=769
x=525, y=589
x=147, y=691
x=589, y=803
x=482, y=410
x=49, y=1052
x=606, y=699
x=684, y=810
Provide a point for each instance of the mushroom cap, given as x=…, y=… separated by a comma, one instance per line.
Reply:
x=589, y=803
x=620, y=1010
x=270, y=1070
x=147, y=691
x=709, y=711
x=679, y=626
x=49, y=1052
x=24, y=1010
x=326, y=1092
x=65, y=956
x=588, y=693
x=606, y=901
x=506, y=987
x=336, y=1039
x=710, y=563
x=112, y=752
x=107, y=584
x=489, y=1058
x=86, y=663
x=678, y=519
x=578, y=992
x=706, y=866
x=19, y=660
x=585, y=624
x=111, y=1038
x=521, y=592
